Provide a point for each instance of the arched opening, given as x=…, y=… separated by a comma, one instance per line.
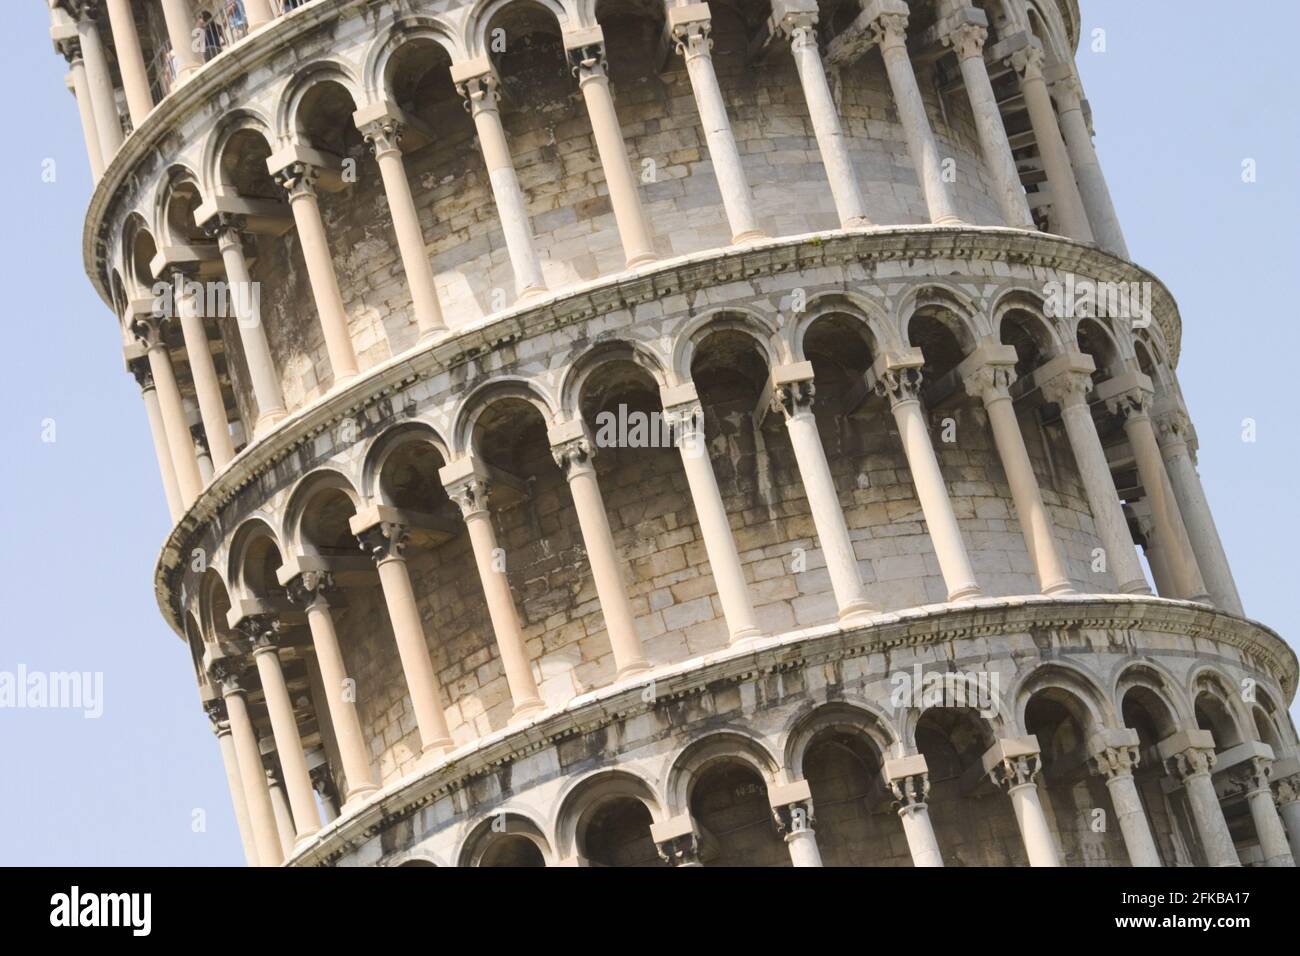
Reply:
x=730, y=807
x=1145, y=711
x=512, y=851
x=616, y=832
x=973, y=821
x=855, y=824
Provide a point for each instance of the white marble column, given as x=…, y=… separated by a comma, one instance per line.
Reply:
x=130, y=61
x=573, y=451
x=259, y=13
x=687, y=422
x=108, y=122
x=908, y=779
x=801, y=27
x=988, y=375
x=967, y=41
x=469, y=488
x=247, y=301
x=1288, y=807
x=310, y=590
x=901, y=384
x=1189, y=757
x=792, y=810
x=1067, y=206
x=1176, y=438
x=283, y=815
x=175, y=424
x=262, y=633
x=1068, y=384
x=385, y=540
x=483, y=102
x=588, y=63
x=216, y=710
x=261, y=814
x=890, y=32
x=689, y=27
x=384, y=134
x=1114, y=762
x=794, y=400
x=207, y=387
x=1134, y=407
x=158, y=432
x=1015, y=772
x=180, y=30
x=1093, y=190
x=63, y=33
x=299, y=181
x=1252, y=777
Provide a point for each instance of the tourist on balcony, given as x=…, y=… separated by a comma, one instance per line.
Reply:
x=213, y=37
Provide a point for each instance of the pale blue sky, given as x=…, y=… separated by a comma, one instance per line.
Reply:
x=1181, y=96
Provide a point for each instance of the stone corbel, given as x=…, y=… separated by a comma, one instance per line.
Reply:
x=326, y=166
x=789, y=388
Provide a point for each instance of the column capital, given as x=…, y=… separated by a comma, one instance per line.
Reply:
x=322, y=782
x=262, y=630
x=797, y=20
x=1028, y=61
x=215, y=708
x=967, y=40
x=1128, y=395
x=1066, y=379
x=227, y=672
x=1173, y=427
x=384, y=540
x=310, y=588
x=481, y=91
x=1253, y=775
x=792, y=807
x=1187, y=753
x=586, y=55
x=298, y=179
x=1013, y=762
x=226, y=228
x=1068, y=93
x=689, y=27
x=989, y=372
x=908, y=779
x=574, y=455
x=150, y=330
x=1287, y=789
x=471, y=494
x=383, y=134
x=140, y=370
x=889, y=30
x=1116, y=761
x=677, y=841
x=897, y=376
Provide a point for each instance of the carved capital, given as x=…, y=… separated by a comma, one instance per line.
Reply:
x=1114, y=762
x=910, y=792
x=794, y=817
x=1190, y=762
x=323, y=783
x=480, y=92
x=801, y=27
x=150, y=331
x=228, y=673
x=990, y=381
x=1174, y=426
x=686, y=423
x=889, y=30
x=1017, y=771
x=298, y=179
x=1287, y=790
x=384, y=540
x=216, y=711
x=1028, y=63
x=262, y=631
x=1068, y=389
x=680, y=850
x=691, y=39
x=1068, y=93
x=574, y=456
x=1253, y=775
x=967, y=40
x=1135, y=403
x=470, y=495
x=227, y=229
x=142, y=372
x=899, y=385
x=69, y=48
x=793, y=398
x=384, y=135
x=310, y=588
x=588, y=62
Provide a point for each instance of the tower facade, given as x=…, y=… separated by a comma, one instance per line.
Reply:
x=628, y=433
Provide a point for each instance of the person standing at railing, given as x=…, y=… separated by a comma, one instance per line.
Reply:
x=236, y=21
x=213, y=37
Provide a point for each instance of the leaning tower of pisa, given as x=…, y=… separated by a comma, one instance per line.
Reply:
x=617, y=432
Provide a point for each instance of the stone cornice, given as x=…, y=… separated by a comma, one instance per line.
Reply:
x=809, y=648
x=623, y=290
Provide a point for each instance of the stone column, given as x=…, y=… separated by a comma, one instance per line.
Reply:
x=988, y=375
x=177, y=429
x=1069, y=388
x=108, y=123
x=324, y=787
x=259, y=13
x=908, y=778
x=1013, y=769
x=384, y=134
x=1288, y=807
x=794, y=399
x=588, y=64
x=801, y=27
x=1093, y=190
x=1067, y=205
x=967, y=41
x=1134, y=407
x=689, y=27
x=1114, y=760
x=1253, y=777
x=385, y=541
x=180, y=30
x=482, y=101
x=1146, y=527
x=283, y=816
x=130, y=61
x=71, y=50
x=687, y=423
x=792, y=810
x=573, y=453
x=216, y=710
x=1176, y=437
x=299, y=181
x=310, y=590
x=1189, y=756
x=207, y=387
x=158, y=432
x=469, y=487
x=261, y=814
x=901, y=384
x=890, y=32
x=262, y=632
x=247, y=302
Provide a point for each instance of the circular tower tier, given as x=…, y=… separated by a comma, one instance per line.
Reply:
x=617, y=433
